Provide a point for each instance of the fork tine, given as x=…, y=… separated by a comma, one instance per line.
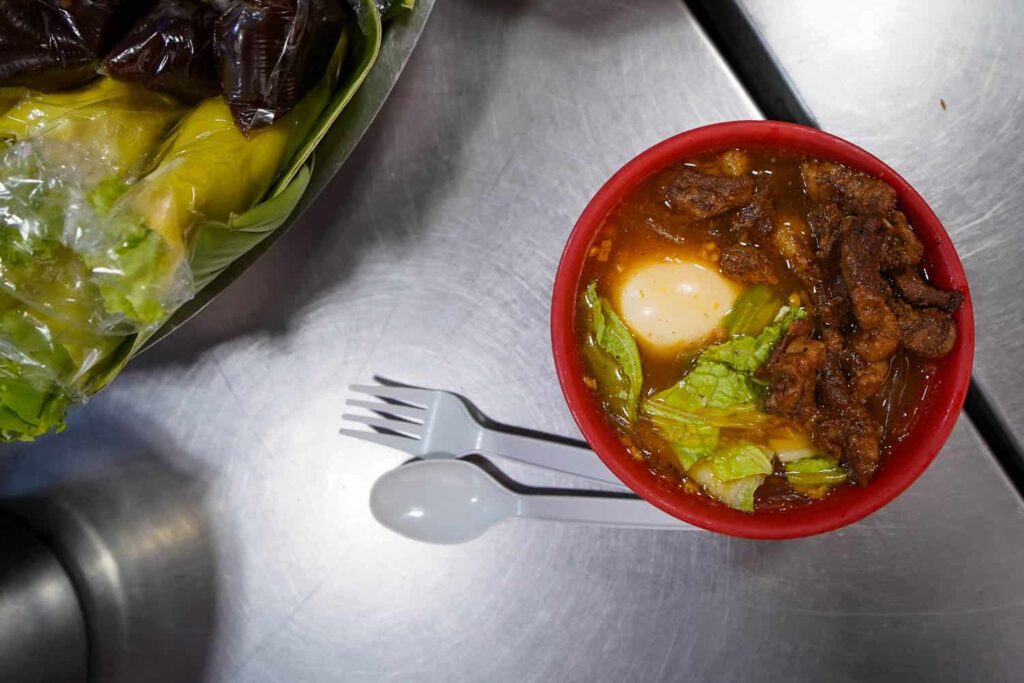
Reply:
x=407, y=394
x=389, y=408
x=410, y=446
x=411, y=428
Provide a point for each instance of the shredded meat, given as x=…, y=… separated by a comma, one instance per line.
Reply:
x=866, y=378
x=917, y=292
x=705, y=196
x=792, y=378
x=900, y=246
x=824, y=220
x=755, y=217
x=928, y=332
x=851, y=435
x=833, y=389
x=878, y=335
x=745, y=263
x=830, y=301
x=856, y=192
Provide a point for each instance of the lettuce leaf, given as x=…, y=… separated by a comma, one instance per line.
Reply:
x=747, y=353
x=611, y=353
x=720, y=392
x=32, y=400
x=741, y=460
x=691, y=435
x=710, y=385
x=738, y=493
x=754, y=309
x=815, y=471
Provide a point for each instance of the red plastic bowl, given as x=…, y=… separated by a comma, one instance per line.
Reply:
x=847, y=504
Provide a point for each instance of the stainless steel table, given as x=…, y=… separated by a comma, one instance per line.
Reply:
x=430, y=259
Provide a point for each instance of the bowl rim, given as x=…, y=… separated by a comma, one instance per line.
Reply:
x=947, y=390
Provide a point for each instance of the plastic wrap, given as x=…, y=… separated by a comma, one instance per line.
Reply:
x=271, y=53
x=55, y=44
x=169, y=50
x=116, y=204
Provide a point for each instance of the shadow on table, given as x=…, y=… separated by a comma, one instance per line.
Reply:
x=134, y=535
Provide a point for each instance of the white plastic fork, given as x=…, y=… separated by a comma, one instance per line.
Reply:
x=430, y=423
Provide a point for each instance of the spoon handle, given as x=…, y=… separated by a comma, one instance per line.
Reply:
x=620, y=512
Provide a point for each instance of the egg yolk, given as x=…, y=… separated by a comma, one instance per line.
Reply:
x=671, y=304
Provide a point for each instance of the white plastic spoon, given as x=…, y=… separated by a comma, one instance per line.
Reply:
x=454, y=501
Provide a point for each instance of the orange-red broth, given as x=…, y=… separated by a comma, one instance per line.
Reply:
x=642, y=228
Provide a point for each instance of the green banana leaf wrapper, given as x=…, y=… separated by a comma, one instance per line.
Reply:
x=135, y=166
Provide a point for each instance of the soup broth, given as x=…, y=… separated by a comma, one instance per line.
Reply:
x=720, y=256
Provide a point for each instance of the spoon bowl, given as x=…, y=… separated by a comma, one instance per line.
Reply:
x=440, y=501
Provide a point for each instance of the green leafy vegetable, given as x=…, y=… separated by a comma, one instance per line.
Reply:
x=611, y=353
x=691, y=435
x=32, y=400
x=755, y=308
x=815, y=472
x=738, y=493
x=741, y=460
x=720, y=392
x=747, y=353
x=710, y=385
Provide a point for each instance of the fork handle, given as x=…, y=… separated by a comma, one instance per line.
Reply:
x=551, y=455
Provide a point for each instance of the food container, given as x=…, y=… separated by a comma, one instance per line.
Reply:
x=905, y=461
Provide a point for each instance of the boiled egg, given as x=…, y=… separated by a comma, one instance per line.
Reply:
x=674, y=303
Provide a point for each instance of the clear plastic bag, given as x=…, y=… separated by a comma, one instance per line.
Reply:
x=169, y=50
x=55, y=44
x=64, y=250
x=116, y=203
x=271, y=53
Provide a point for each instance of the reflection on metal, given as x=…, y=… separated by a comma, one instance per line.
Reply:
x=42, y=630
x=133, y=537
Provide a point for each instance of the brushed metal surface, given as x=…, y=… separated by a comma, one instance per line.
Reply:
x=935, y=88
x=133, y=535
x=42, y=631
x=430, y=259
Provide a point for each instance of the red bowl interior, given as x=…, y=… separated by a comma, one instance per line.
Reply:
x=846, y=504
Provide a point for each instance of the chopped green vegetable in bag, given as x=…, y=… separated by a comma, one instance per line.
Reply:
x=108, y=212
